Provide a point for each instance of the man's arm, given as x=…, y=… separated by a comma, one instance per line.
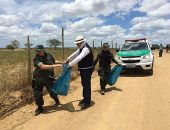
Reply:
x=39, y=64
x=113, y=59
x=44, y=66
x=59, y=62
x=84, y=52
x=96, y=60
x=73, y=56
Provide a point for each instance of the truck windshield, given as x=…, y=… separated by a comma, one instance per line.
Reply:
x=134, y=46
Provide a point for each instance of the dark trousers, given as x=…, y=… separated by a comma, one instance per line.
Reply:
x=160, y=53
x=86, y=83
x=104, y=75
x=38, y=88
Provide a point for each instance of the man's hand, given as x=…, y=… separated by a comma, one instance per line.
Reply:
x=66, y=61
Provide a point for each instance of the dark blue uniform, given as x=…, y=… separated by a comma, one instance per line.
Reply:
x=85, y=67
x=104, y=57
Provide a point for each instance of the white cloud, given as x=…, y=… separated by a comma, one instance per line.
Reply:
x=92, y=18
x=48, y=28
x=8, y=20
x=161, y=11
x=81, y=8
x=107, y=30
x=124, y=6
x=150, y=5
x=48, y=17
x=3, y=29
x=7, y=5
x=150, y=25
x=138, y=20
x=85, y=24
x=156, y=8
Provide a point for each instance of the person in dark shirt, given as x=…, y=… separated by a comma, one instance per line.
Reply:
x=104, y=57
x=44, y=64
x=160, y=50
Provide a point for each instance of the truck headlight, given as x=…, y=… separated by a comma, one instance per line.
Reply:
x=146, y=58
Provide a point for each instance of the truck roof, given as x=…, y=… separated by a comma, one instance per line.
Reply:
x=135, y=40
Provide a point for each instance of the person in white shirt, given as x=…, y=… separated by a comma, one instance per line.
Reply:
x=84, y=57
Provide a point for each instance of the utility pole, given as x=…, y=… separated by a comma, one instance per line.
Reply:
x=101, y=44
x=62, y=35
x=93, y=47
x=112, y=44
x=29, y=60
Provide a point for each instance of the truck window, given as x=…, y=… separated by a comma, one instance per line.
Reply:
x=134, y=46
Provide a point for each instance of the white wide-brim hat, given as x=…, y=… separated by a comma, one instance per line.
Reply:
x=79, y=39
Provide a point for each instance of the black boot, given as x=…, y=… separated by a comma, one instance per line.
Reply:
x=102, y=89
x=39, y=110
x=102, y=92
x=57, y=102
x=81, y=102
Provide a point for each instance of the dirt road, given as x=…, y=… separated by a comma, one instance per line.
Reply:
x=136, y=102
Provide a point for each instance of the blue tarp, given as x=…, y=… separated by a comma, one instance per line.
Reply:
x=61, y=85
x=114, y=74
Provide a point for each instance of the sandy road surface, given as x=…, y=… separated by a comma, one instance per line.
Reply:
x=136, y=102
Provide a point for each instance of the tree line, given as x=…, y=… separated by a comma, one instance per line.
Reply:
x=52, y=43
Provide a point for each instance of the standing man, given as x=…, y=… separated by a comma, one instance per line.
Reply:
x=167, y=48
x=104, y=57
x=160, y=50
x=84, y=57
x=44, y=64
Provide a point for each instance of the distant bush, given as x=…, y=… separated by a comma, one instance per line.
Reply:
x=10, y=47
x=155, y=46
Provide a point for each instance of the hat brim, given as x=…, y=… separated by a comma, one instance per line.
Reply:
x=38, y=50
x=76, y=42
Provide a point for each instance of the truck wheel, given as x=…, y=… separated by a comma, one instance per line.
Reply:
x=150, y=72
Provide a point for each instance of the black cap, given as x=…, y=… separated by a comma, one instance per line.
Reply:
x=105, y=45
x=39, y=48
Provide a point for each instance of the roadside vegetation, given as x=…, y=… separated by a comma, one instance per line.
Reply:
x=15, y=91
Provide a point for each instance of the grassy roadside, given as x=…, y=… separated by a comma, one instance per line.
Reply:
x=14, y=89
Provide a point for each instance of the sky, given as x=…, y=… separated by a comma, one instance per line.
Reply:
x=96, y=20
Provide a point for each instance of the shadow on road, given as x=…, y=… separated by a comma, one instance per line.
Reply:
x=113, y=88
x=109, y=89
x=66, y=107
x=134, y=73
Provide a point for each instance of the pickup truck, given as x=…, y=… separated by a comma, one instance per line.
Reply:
x=136, y=54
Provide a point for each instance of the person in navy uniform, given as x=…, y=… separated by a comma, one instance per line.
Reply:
x=160, y=50
x=84, y=57
x=104, y=57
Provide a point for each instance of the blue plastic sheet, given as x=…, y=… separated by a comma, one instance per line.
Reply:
x=114, y=74
x=61, y=85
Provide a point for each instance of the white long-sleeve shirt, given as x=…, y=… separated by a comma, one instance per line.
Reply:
x=76, y=57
